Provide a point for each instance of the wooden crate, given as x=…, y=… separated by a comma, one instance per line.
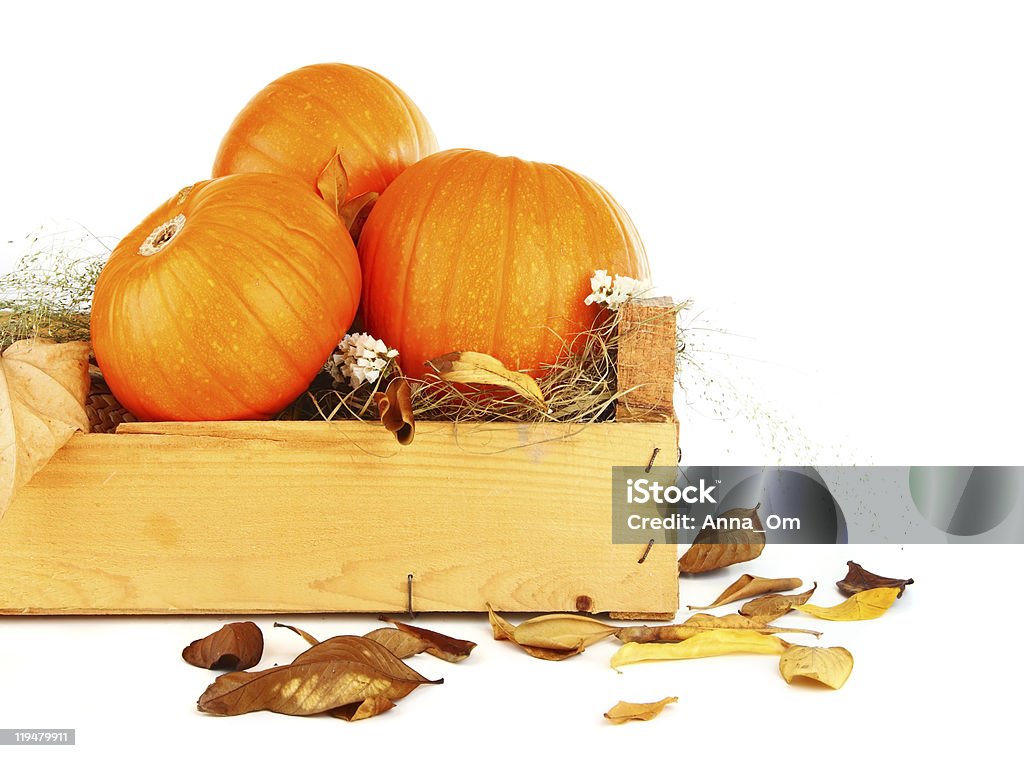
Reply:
x=261, y=517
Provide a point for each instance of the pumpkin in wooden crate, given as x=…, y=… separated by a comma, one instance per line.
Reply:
x=470, y=251
x=226, y=301
x=297, y=123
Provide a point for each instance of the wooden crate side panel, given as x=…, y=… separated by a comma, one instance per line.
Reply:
x=311, y=517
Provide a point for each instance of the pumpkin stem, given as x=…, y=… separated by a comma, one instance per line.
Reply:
x=161, y=237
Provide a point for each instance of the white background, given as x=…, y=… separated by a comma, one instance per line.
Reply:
x=838, y=185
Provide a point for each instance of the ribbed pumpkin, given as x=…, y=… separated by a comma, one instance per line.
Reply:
x=470, y=251
x=226, y=301
x=296, y=124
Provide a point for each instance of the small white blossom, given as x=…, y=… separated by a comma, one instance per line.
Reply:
x=610, y=292
x=360, y=359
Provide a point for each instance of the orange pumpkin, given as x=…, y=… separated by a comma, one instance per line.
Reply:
x=226, y=301
x=296, y=124
x=470, y=251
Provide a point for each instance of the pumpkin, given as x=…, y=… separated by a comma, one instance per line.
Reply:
x=296, y=125
x=470, y=251
x=226, y=301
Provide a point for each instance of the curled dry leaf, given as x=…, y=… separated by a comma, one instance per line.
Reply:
x=479, y=368
x=562, y=631
x=829, y=665
x=858, y=579
x=337, y=672
x=438, y=645
x=505, y=630
x=305, y=635
x=702, y=622
x=355, y=212
x=716, y=548
x=866, y=605
x=233, y=647
x=332, y=183
x=622, y=711
x=43, y=388
x=402, y=644
x=394, y=405
x=704, y=645
x=372, y=706
x=746, y=586
x=771, y=607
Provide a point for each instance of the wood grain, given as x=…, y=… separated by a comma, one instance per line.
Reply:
x=646, y=362
x=323, y=517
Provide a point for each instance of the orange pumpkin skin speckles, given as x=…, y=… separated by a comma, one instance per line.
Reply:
x=226, y=301
x=295, y=125
x=470, y=251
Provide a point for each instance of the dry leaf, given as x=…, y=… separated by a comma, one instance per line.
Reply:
x=829, y=665
x=305, y=635
x=716, y=548
x=562, y=631
x=622, y=711
x=394, y=405
x=438, y=645
x=746, y=586
x=402, y=644
x=866, y=605
x=372, y=706
x=702, y=622
x=332, y=183
x=504, y=630
x=770, y=607
x=43, y=388
x=858, y=579
x=336, y=672
x=233, y=647
x=704, y=645
x=355, y=212
x=480, y=368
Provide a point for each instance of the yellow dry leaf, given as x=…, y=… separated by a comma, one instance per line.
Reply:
x=622, y=711
x=332, y=183
x=43, y=388
x=479, y=368
x=699, y=623
x=829, y=665
x=561, y=631
x=746, y=586
x=704, y=645
x=869, y=604
x=506, y=630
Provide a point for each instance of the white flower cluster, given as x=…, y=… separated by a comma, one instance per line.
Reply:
x=612, y=293
x=360, y=358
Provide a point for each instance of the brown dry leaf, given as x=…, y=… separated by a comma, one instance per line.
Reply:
x=716, y=548
x=338, y=671
x=372, y=706
x=355, y=212
x=746, y=586
x=829, y=665
x=305, y=635
x=770, y=607
x=504, y=630
x=332, y=183
x=402, y=644
x=43, y=388
x=866, y=605
x=562, y=631
x=858, y=579
x=479, y=368
x=704, y=645
x=622, y=711
x=233, y=647
x=702, y=622
x=439, y=645
x=394, y=405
